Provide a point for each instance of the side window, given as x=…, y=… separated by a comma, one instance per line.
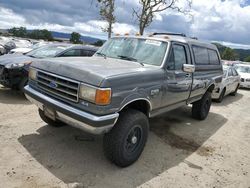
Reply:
x=200, y=55
x=230, y=72
x=70, y=53
x=235, y=73
x=178, y=57
x=87, y=53
x=91, y=53
x=213, y=57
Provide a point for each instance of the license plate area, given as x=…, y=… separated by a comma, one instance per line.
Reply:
x=49, y=112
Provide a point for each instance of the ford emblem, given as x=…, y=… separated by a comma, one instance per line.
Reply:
x=53, y=84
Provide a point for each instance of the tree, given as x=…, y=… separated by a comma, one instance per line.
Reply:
x=146, y=13
x=75, y=38
x=98, y=43
x=107, y=8
x=18, y=31
x=247, y=59
x=41, y=34
x=229, y=54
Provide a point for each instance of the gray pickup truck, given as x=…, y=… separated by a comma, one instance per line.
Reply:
x=129, y=80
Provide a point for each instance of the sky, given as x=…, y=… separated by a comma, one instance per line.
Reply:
x=226, y=21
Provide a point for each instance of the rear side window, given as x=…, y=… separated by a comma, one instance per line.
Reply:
x=205, y=56
x=213, y=57
x=201, y=55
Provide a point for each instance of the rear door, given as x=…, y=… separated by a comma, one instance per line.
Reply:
x=177, y=84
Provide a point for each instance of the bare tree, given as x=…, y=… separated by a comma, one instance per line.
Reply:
x=107, y=8
x=146, y=13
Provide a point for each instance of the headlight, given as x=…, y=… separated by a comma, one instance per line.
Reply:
x=32, y=74
x=14, y=65
x=99, y=96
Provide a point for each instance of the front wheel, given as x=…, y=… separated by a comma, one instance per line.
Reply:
x=235, y=91
x=201, y=108
x=124, y=144
x=221, y=97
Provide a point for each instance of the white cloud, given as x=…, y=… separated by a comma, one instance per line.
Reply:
x=214, y=20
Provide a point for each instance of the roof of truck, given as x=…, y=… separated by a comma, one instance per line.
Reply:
x=173, y=38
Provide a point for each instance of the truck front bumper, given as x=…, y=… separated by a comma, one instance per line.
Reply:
x=77, y=118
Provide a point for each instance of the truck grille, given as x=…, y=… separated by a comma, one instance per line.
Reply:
x=58, y=86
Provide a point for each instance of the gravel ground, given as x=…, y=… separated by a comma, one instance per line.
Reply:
x=180, y=152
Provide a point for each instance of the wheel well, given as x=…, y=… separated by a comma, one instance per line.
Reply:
x=211, y=88
x=140, y=105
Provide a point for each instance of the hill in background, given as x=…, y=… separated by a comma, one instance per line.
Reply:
x=241, y=53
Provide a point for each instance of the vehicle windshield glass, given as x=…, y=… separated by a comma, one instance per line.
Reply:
x=46, y=51
x=144, y=51
x=243, y=69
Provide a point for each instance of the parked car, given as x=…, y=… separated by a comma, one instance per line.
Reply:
x=229, y=85
x=244, y=71
x=129, y=80
x=27, y=49
x=14, y=67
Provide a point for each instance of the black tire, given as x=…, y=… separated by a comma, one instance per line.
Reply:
x=50, y=121
x=124, y=144
x=221, y=97
x=201, y=108
x=235, y=91
x=22, y=84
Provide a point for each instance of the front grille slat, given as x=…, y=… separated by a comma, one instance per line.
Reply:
x=58, y=82
x=58, y=86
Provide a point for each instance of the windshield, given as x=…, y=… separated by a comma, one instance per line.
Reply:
x=243, y=69
x=144, y=51
x=46, y=51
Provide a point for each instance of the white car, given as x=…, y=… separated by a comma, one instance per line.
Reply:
x=244, y=71
x=27, y=49
x=229, y=85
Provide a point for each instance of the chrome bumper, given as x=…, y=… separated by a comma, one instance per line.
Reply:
x=65, y=113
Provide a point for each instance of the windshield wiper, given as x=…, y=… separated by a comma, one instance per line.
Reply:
x=129, y=59
x=101, y=54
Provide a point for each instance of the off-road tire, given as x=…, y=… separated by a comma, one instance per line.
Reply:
x=235, y=91
x=118, y=142
x=201, y=108
x=50, y=121
x=221, y=97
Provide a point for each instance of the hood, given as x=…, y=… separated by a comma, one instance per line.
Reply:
x=14, y=58
x=21, y=50
x=91, y=70
x=244, y=75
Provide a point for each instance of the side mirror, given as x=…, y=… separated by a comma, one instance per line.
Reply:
x=188, y=68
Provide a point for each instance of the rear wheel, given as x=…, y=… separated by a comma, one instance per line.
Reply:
x=50, y=121
x=201, y=108
x=235, y=91
x=221, y=97
x=124, y=144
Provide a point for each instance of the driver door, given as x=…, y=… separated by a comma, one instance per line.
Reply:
x=177, y=84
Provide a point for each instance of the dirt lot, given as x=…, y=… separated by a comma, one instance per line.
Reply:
x=181, y=152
